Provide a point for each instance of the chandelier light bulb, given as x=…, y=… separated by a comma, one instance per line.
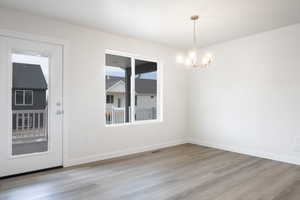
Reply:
x=209, y=56
x=193, y=54
x=180, y=59
x=207, y=59
x=188, y=62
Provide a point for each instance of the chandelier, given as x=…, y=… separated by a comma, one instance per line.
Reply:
x=192, y=58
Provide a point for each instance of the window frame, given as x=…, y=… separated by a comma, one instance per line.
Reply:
x=110, y=99
x=159, y=99
x=24, y=98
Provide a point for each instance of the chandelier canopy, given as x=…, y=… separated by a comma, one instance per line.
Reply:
x=192, y=59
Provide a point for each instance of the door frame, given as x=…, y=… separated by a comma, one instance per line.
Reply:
x=65, y=51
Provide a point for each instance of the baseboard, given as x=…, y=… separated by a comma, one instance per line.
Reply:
x=282, y=158
x=120, y=153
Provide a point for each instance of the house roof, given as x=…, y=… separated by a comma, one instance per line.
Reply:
x=142, y=86
x=28, y=76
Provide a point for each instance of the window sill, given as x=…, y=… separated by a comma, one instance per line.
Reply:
x=145, y=122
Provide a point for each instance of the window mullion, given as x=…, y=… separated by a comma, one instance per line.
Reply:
x=31, y=97
x=15, y=97
x=132, y=91
x=24, y=92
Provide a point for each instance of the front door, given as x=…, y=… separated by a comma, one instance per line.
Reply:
x=30, y=106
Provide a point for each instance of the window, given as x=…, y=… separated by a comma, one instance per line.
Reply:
x=110, y=99
x=19, y=94
x=28, y=96
x=136, y=81
x=23, y=97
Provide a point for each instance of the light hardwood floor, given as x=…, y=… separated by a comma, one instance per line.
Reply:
x=181, y=172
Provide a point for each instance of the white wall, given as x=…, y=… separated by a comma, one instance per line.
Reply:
x=249, y=99
x=84, y=98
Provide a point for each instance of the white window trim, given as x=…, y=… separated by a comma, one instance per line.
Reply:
x=23, y=104
x=159, y=99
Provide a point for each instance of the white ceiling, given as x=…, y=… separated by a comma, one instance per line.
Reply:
x=167, y=21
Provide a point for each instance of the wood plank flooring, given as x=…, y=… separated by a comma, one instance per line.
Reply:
x=184, y=172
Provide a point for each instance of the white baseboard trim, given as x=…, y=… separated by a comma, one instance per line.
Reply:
x=120, y=153
x=282, y=158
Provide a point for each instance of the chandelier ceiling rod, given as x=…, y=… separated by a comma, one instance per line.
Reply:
x=194, y=18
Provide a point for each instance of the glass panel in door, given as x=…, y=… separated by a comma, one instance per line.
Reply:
x=29, y=104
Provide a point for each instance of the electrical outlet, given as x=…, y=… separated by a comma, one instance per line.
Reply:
x=297, y=144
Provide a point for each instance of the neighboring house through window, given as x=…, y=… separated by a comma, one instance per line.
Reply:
x=29, y=99
x=134, y=85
